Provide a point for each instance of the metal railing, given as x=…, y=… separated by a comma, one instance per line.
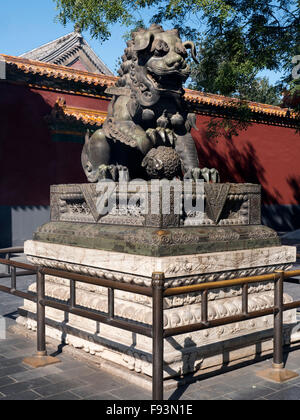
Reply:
x=8, y=252
x=12, y=273
x=157, y=292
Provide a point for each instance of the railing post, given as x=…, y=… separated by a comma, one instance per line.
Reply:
x=72, y=293
x=13, y=274
x=245, y=299
x=111, y=303
x=278, y=373
x=41, y=321
x=204, y=306
x=278, y=322
x=8, y=268
x=158, y=336
x=40, y=359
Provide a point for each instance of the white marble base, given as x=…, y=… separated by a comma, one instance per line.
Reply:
x=182, y=354
x=179, y=270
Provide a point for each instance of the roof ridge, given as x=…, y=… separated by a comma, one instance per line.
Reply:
x=91, y=52
x=71, y=43
x=47, y=44
x=61, y=48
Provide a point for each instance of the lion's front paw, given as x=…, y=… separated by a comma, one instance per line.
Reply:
x=117, y=173
x=209, y=175
x=161, y=136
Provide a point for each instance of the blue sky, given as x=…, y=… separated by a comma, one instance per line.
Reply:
x=27, y=24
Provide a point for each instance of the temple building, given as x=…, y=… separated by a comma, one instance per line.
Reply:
x=70, y=50
x=50, y=96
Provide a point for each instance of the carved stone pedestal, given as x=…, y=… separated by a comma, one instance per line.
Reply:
x=185, y=353
x=226, y=242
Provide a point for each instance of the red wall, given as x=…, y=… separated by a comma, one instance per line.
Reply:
x=30, y=161
x=264, y=154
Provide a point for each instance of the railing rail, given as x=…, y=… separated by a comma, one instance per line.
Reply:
x=8, y=252
x=12, y=250
x=12, y=273
x=142, y=290
x=175, y=291
x=157, y=291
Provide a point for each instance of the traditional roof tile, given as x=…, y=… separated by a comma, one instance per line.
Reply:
x=62, y=112
x=66, y=50
x=58, y=72
x=195, y=98
x=223, y=101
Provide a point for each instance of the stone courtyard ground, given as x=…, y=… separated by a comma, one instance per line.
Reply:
x=75, y=378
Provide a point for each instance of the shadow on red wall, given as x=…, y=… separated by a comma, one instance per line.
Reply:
x=29, y=160
x=237, y=166
x=265, y=155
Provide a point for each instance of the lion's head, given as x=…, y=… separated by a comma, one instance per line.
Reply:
x=154, y=64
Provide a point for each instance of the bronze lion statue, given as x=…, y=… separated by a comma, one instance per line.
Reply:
x=147, y=111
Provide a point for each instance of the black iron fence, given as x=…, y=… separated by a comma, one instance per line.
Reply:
x=157, y=292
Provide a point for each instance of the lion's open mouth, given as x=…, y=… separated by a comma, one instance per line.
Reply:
x=169, y=81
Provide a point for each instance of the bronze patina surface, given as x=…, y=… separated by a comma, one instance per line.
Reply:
x=147, y=112
x=231, y=220
x=157, y=242
x=147, y=135
x=221, y=204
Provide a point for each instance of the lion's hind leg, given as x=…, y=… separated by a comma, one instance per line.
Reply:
x=96, y=152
